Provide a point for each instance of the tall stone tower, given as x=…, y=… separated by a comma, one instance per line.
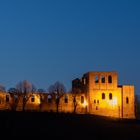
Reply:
x=104, y=96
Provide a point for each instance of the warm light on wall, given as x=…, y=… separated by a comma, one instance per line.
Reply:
x=37, y=100
x=113, y=102
x=85, y=104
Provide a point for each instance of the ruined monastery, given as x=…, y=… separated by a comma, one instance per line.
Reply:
x=95, y=93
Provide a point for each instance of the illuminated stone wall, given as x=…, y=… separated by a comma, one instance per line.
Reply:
x=106, y=106
x=66, y=104
x=128, y=100
x=106, y=98
x=5, y=101
x=47, y=104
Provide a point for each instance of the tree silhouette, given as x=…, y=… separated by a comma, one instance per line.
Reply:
x=74, y=103
x=74, y=92
x=58, y=90
x=2, y=88
x=24, y=88
x=15, y=96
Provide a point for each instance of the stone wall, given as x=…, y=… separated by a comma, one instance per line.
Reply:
x=46, y=102
x=128, y=101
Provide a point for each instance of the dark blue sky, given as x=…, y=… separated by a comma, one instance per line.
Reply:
x=49, y=40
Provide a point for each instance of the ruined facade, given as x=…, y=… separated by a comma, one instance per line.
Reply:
x=95, y=93
x=105, y=97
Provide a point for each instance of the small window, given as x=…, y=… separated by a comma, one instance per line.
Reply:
x=57, y=100
x=41, y=99
x=96, y=107
x=66, y=99
x=127, y=100
x=96, y=79
x=33, y=99
x=56, y=97
x=15, y=98
x=84, y=81
x=103, y=96
x=24, y=98
x=98, y=102
x=109, y=79
x=82, y=99
x=49, y=98
x=103, y=79
x=94, y=101
x=110, y=96
x=7, y=98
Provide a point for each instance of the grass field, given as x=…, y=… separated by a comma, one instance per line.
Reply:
x=66, y=126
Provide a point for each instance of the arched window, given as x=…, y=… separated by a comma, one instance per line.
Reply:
x=25, y=98
x=109, y=79
x=94, y=101
x=41, y=98
x=82, y=99
x=96, y=107
x=98, y=102
x=127, y=100
x=7, y=98
x=57, y=99
x=66, y=99
x=49, y=98
x=84, y=81
x=33, y=98
x=96, y=79
x=15, y=98
x=110, y=96
x=103, y=79
x=103, y=96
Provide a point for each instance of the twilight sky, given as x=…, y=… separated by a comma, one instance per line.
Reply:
x=44, y=41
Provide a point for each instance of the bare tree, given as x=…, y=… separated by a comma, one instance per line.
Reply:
x=74, y=92
x=40, y=90
x=2, y=88
x=78, y=86
x=33, y=88
x=15, y=95
x=74, y=103
x=57, y=89
x=24, y=88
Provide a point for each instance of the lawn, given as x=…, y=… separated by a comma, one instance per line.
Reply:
x=66, y=126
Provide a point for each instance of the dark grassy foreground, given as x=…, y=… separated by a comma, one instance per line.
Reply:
x=66, y=126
